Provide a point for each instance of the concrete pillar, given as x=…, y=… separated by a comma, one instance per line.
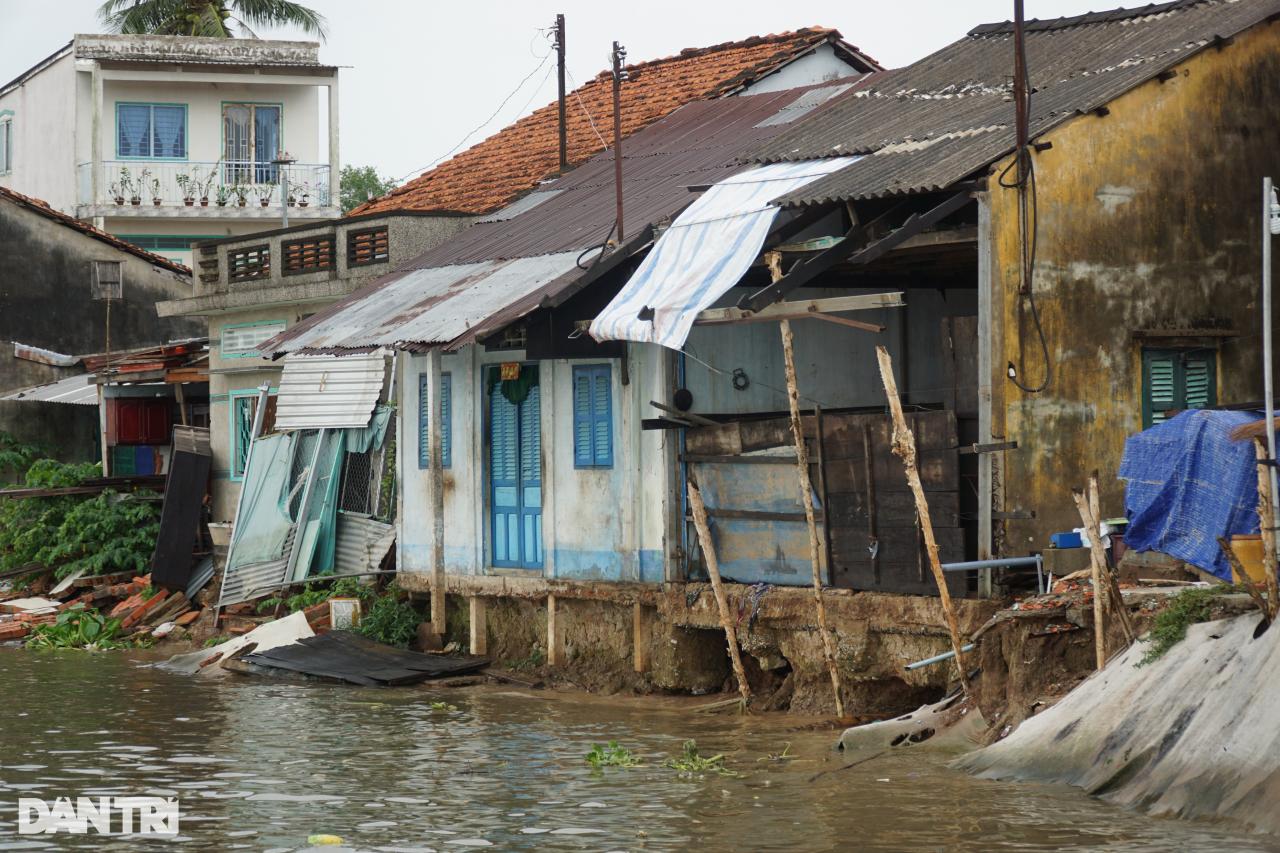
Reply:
x=555, y=645
x=479, y=626
x=335, y=163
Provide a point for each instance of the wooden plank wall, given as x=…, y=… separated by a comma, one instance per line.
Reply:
x=875, y=540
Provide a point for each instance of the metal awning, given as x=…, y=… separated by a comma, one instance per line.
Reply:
x=330, y=392
x=76, y=390
x=706, y=251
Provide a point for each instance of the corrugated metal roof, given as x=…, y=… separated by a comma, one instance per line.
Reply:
x=325, y=392
x=76, y=390
x=946, y=117
x=499, y=271
x=361, y=543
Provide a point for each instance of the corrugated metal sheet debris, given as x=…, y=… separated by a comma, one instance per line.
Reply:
x=950, y=115
x=75, y=390
x=362, y=543
x=323, y=391
x=255, y=579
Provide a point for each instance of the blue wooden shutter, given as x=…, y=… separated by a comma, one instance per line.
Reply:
x=446, y=414
x=602, y=416
x=424, y=422
x=593, y=416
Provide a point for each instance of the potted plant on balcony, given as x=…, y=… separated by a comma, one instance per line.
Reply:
x=189, y=186
x=117, y=194
x=242, y=193
x=305, y=198
x=264, y=193
x=133, y=189
x=223, y=195
x=206, y=184
x=155, y=192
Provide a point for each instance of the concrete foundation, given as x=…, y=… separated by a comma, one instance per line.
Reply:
x=677, y=642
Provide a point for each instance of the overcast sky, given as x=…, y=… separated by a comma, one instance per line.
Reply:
x=418, y=75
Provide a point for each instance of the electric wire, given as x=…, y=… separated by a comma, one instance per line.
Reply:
x=604, y=145
x=491, y=117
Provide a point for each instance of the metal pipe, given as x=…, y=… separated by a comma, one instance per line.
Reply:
x=939, y=658
x=992, y=564
x=1267, y=193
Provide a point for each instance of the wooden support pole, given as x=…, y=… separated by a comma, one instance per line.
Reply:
x=641, y=637
x=1098, y=565
x=1242, y=577
x=806, y=497
x=1267, y=526
x=478, y=619
x=904, y=447
x=1116, y=597
x=699, y=510
x=555, y=645
x=435, y=426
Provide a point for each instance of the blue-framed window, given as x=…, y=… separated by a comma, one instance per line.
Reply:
x=151, y=131
x=240, y=340
x=424, y=420
x=593, y=416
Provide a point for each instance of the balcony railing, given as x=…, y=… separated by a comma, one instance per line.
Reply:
x=222, y=184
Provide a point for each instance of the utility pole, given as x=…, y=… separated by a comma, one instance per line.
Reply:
x=560, y=71
x=619, y=74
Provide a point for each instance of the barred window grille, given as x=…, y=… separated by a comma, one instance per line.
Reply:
x=249, y=263
x=310, y=254
x=370, y=246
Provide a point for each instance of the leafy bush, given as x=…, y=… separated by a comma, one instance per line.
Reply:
x=101, y=533
x=690, y=763
x=77, y=628
x=318, y=592
x=390, y=620
x=1184, y=610
x=15, y=456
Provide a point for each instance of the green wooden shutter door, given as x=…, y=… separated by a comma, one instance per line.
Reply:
x=1198, y=373
x=1161, y=386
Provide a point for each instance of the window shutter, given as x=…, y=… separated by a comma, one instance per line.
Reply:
x=1161, y=385
x=1198, y=378
x=424, y=422
x=581, y=418
x=602, y=415
x=531, y=441
x=446, y=413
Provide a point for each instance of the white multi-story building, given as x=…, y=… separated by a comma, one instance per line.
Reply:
x=165, y=140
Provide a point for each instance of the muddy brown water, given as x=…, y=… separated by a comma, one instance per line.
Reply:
x=261, y=765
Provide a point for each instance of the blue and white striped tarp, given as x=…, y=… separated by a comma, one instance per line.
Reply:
x=705, y=252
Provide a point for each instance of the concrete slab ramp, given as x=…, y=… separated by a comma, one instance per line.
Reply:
x=1195, y=734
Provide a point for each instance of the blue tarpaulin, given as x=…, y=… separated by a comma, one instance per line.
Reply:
x=1187, y=484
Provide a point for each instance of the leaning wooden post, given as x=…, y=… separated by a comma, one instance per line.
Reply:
x=713, y=570
x=904, y=446
x=1116, y=599
x=435, y=427
x=1098, y=564
x=806, y=497
x=1267, y=526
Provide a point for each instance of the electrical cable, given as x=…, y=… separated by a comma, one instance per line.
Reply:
x=1028, y=226
x=484, y=123
x=604, y=145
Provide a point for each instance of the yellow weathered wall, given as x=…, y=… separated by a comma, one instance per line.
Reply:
x=1148, y=217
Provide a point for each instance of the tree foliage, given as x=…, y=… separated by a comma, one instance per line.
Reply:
x=101, y=533
x=361, y=183
x=208, y=18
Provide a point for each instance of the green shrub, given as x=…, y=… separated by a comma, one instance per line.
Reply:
x=390, y=620
x=1183, y=610
x=101, y=534
x=78, y=628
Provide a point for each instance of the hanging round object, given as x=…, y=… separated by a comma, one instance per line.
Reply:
x=682, y=399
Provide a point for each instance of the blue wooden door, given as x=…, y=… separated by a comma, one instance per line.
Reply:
x=515, y=477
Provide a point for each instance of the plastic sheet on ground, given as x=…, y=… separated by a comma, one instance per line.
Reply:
x=1192, y=734
x=281, y=632
x=1187, y=484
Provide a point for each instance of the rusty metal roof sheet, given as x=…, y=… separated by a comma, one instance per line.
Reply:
x=950, y=115
x=495, y=272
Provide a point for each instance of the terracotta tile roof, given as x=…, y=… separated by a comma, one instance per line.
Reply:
x=495, y=172
x=42, y=207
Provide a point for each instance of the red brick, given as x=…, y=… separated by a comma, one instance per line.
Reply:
x=188, y=617
x=14, y=630
x=126, y=605
x=135, y=615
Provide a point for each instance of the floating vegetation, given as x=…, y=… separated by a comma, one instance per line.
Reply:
x=613, y=755
x=690, y=763
x=442, y=706
x=77, y=628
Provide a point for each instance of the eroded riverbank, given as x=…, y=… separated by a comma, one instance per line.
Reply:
x=261, y=765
